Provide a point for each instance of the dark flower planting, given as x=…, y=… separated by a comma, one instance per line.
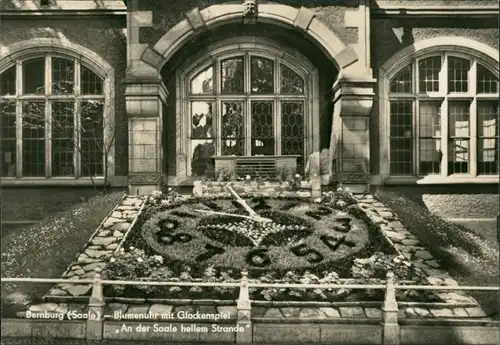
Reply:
x=150, y=258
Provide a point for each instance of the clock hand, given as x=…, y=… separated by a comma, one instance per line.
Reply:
x=255, y=216
x=225, y=214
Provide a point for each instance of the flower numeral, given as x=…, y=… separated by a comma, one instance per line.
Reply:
x=258, y=258
x=211, y=251
x=321, y=211
x=168, y=224
x=168, y=239
x=312, y=256
x=335, y=242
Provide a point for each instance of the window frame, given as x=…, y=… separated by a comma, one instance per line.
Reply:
x=398, y=63
x=80, y=56
x=263, y=49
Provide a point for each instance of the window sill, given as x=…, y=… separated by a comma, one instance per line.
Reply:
x=33, y=181
x=436, y=180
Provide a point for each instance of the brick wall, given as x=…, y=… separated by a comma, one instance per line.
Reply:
x=102, y=36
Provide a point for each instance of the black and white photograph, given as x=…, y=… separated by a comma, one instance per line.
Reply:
x=284, y=172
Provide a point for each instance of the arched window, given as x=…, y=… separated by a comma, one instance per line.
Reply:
x=246, y=103
x=443, y=117
x=51, y=118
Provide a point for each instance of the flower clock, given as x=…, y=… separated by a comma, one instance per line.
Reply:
x=257, y=233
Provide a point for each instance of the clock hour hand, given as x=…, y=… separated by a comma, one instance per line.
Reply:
x=254, y=215
x=225, y=214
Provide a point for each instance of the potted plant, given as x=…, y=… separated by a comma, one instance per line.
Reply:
x=325, y=169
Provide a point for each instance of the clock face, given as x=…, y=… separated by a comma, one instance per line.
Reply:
x=220, y=233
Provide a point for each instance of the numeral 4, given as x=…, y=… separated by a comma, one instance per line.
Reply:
x=312, y=256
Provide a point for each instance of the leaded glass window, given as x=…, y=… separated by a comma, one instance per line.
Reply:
x=245, y=105
x=51, y=119
x=456, y=91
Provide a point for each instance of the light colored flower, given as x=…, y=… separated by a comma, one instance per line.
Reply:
x=340, y=203
x=140, y=260
x=248, y=177
x=170, y=189
x=112, y=260
x=339, y=189
x=131, y=248
x=318, y=200
x=122, y=250
x=297, y=175
x=164, y=202
x=158, y=258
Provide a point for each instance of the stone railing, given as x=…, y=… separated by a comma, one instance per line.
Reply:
x=390, y=332
x=252, y=188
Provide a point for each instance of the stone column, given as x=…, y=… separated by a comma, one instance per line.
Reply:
x=145, y=99
x=350, y=142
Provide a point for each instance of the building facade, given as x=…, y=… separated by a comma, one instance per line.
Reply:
x=144, y=93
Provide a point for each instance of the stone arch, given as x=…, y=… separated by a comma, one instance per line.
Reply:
x=25, y=49
x=481, y=51
x=198, y=21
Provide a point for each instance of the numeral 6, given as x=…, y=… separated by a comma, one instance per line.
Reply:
x=258, y=258
x=312, y=256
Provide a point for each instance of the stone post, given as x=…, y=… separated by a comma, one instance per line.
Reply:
x=95, y=321
x=350, y=141
x=244, y=312
x=145, y=100
x=390, y=332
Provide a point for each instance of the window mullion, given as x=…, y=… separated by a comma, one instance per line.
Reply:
x=76, y=120
x=416, y=137
x=48, y=138
x=277, y=108
x=77, y=138
x=444, y=137
x=247, y=107
x=218, y=127
x=416, y=90
x=277, y=127
x=19, y=140
x=443, y=88
x=48, y=117
x=473, y=159
x=19, y=120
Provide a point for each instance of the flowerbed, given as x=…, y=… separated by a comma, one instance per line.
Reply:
x=156, y=251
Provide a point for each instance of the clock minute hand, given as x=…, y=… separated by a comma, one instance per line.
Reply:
x=254, y=215
x=243, y=202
